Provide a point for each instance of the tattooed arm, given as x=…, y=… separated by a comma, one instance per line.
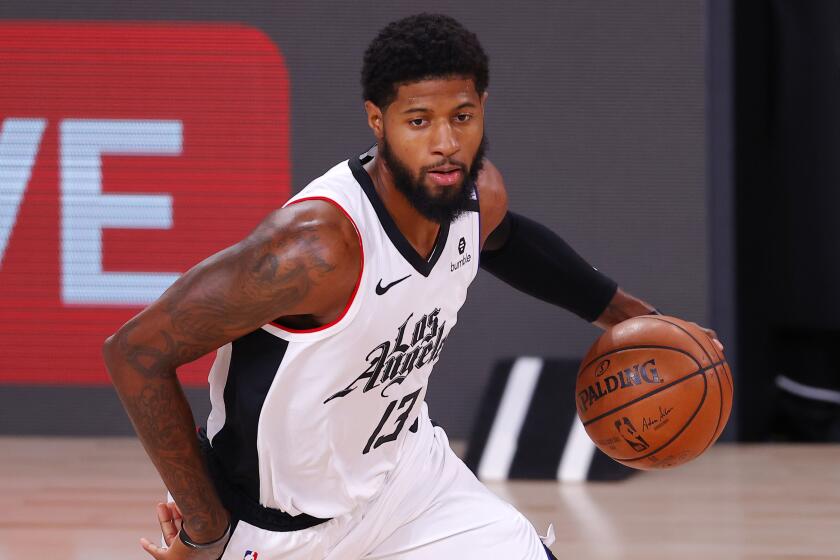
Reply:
x=303, y=260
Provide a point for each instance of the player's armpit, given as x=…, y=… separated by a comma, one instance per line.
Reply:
x=304, y=259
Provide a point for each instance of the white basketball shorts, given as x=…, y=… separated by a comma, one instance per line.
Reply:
x=431, y=508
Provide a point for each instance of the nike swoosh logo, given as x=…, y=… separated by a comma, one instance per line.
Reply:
x=382, y=289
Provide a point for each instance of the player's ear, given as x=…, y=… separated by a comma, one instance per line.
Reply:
x=375, y=119
x=484, y=98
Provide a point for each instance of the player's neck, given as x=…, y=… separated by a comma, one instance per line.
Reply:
x=416, y=228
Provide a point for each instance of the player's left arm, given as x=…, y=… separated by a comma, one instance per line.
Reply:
x=537, y=261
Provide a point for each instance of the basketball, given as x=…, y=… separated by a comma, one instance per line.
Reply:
x=654, y=392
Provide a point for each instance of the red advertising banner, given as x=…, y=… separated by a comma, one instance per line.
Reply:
x=128, y=153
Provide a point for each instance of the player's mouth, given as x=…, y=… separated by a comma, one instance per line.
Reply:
x=446, y=175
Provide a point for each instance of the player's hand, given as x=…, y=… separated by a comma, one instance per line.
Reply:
x=170, y=519
x=712, y=335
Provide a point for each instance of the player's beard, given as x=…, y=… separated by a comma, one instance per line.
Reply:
x=453, y=201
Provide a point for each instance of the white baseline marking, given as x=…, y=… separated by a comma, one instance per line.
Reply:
x=577, y=455
x=501, y=444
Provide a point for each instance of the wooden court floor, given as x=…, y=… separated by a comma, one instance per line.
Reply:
x=92, y=499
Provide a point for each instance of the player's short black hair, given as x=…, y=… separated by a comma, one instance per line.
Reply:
x=420, y=47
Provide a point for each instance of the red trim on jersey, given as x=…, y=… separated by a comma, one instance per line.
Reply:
x=358, y=281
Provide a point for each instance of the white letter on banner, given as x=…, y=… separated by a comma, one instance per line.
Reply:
x=85, y=211
x=19, y=142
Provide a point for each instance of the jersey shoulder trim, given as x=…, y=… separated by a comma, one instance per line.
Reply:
x=288, y=332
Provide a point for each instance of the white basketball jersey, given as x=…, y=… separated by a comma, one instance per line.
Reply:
x=313, y=421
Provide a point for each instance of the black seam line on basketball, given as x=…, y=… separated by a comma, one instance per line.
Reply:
x=715, y=434
x=655, y=391
x=638, y=347
x=729, y=378
x=724, y=367
x=680, y=431
x=691, y=336
x=709, y=357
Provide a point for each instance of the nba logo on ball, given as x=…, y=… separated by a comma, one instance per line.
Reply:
x=250, y=555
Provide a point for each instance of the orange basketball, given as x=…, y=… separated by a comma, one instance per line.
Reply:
x=654, y=392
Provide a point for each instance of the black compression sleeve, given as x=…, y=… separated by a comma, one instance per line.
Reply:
x=535, y=260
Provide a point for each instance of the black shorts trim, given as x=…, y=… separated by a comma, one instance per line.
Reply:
x=244, y=508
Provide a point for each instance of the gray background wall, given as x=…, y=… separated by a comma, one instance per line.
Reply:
x=596, y=118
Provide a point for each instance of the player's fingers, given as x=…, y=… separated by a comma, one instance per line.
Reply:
x=162, y=511
x=167, y=523
x=176, y=515
x=154, y=550
x=713, y=335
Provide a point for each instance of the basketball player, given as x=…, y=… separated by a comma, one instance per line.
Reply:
x=328, y=319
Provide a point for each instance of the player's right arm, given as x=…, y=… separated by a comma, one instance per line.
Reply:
x=533, y=259
x=538, y=262
x=303, y=260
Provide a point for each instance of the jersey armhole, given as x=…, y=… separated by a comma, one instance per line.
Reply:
x=290, y=333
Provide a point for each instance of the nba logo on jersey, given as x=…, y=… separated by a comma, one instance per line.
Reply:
x=250, y=555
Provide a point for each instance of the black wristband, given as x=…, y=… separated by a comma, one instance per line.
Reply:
x=535, y=260
x=185, y=538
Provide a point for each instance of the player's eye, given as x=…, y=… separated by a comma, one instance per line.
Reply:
x=463, y=117
x=417, y=122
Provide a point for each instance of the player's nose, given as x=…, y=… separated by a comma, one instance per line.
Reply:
x=444, y=141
